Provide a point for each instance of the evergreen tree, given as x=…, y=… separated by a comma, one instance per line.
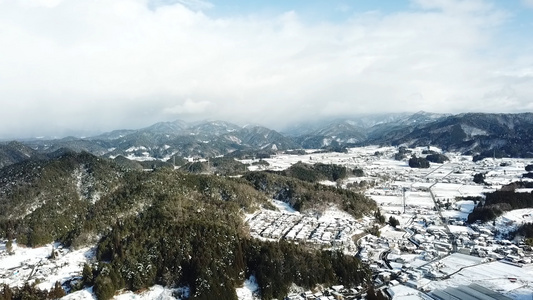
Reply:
x=57, y=291
x=393, y=221
x=87, y=275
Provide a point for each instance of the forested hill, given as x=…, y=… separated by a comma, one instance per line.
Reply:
x=479, y=134
x=165, y=227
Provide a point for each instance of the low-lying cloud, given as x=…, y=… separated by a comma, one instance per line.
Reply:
x=99, y=65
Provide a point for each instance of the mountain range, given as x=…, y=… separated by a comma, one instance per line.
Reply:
x=478, y=134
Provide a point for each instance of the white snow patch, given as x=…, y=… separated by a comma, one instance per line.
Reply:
x=132, y=149
x=28, y=264
x=494, y=276
x=284, y=207
x=473, y=131
x=332, y=213
x=155, y=292
x=249, y=291
x=511, y=220
x=81, y=295
x=328, y=183
x=146, y=157
x=234, y=139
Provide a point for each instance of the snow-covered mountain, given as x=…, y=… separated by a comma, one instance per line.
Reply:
x=507, y=134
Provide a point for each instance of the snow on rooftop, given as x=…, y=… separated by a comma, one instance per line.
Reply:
x=402, y=292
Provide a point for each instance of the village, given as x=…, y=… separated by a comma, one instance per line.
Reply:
x=334, y=229
x=432, y=253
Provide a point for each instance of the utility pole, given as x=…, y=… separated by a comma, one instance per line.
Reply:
x=403, y=192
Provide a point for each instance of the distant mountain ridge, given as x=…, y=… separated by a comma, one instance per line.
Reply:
x=15, y=152
x=476, y=133
x=473, y=133
x=163, y=140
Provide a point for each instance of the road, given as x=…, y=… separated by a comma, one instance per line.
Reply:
x=450, y=234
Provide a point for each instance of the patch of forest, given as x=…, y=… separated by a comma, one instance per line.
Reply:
x=304, y=196
x=498, y=202
x=316, y=172
x=211, y=258
x=525, y=230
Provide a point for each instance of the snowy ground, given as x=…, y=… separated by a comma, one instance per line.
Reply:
x=30, y=264
x=497, y=276
x=402, y=292
x=511, y=220
x=86, y=294
x=457, y=261
x=156, y=292
x=249, y=291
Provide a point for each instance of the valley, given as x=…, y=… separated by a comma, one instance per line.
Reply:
x=431, y=250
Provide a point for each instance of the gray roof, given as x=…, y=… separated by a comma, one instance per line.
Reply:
x=467, y=292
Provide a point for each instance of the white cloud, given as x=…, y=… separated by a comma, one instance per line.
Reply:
x=188, y=107
x=192, y=4
x=456, y=6
x=86, y=61
x=528, y=3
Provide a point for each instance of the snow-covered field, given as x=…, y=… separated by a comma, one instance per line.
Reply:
x=31, y=264
x=511, y=220
x=512, y=281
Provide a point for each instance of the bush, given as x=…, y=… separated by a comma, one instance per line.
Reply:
x=418, y=162
x=437, y=158
x=393, y=222
x=87, y=275
x=479, y=178
x=104, y=288
x=357, y=172
x=374, y=230
x=379, y=217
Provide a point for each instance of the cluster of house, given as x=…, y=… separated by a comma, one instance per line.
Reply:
x=301, y=228
x=432, y=221
x=336, y=292
x=415, y=258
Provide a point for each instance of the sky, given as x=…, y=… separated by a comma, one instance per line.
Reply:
x=89, y=66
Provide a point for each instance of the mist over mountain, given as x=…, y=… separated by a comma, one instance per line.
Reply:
x=472, y=133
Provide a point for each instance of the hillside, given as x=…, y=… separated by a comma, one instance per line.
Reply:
x=14, y=152
x=484, y=134
x=167, y=227
x=311, y=197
